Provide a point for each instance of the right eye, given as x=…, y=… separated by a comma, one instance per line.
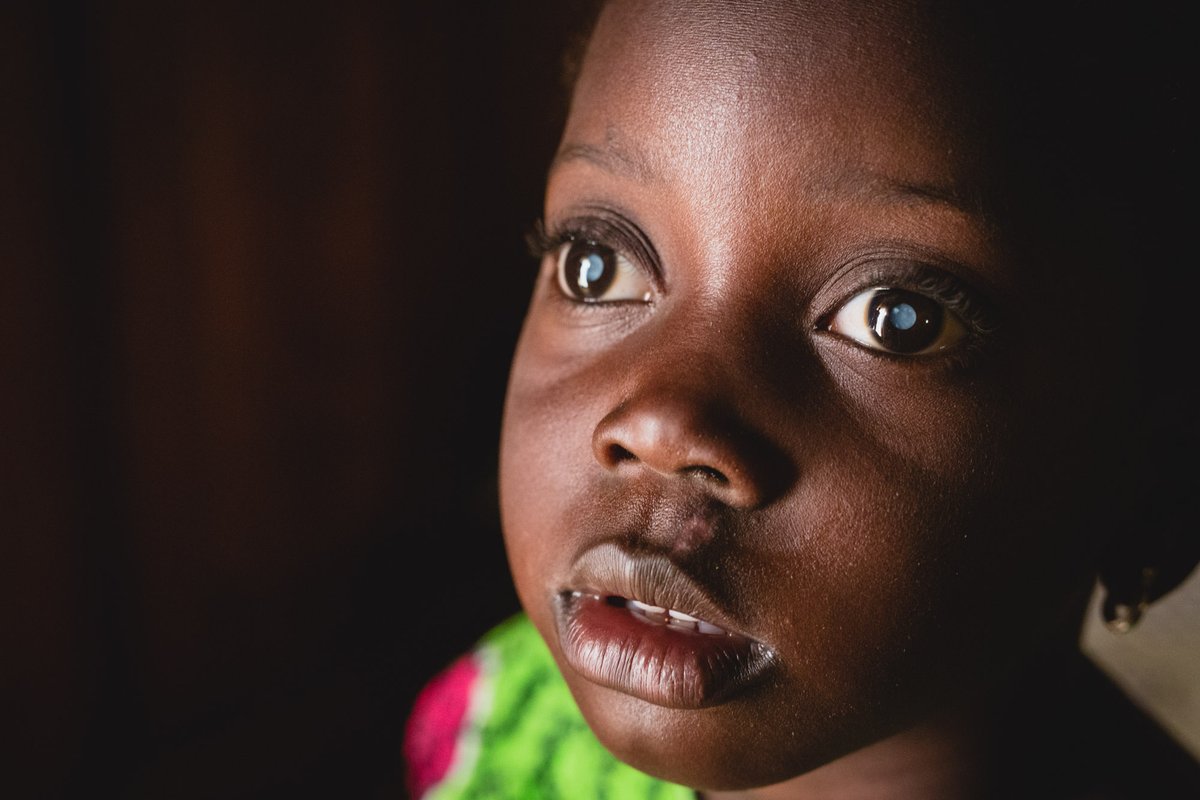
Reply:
x=590, y=272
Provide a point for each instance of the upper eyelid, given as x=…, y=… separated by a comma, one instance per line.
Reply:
x=611, y=229
x=972, y=305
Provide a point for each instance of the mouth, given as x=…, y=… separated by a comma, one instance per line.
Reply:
x=640, y=625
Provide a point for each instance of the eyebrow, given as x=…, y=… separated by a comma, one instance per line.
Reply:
x=616, y=159
x=908, y=192
x=611, y=157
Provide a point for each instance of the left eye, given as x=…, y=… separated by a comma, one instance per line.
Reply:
x=590, y=272
x=897, y=321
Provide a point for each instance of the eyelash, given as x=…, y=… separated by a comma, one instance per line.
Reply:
x=540, y=242
x=608, y=229
x=977, y=314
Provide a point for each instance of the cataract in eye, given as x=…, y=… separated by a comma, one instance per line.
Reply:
x=897, y=321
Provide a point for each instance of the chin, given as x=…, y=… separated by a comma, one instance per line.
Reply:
x=732, y=746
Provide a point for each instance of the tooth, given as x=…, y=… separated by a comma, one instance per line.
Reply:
x=646, y=607
x=682, y=616
x=675, y=622
x=705, y=627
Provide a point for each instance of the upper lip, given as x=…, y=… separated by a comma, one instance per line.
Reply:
x=608, y=569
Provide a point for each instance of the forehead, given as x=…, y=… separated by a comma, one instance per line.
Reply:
x=764, y=136
x=839, y=92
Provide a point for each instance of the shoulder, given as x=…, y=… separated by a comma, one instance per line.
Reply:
x=500, y=722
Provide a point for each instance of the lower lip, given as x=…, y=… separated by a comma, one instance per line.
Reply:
x=666, y=666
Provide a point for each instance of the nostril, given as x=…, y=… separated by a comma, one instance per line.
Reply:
x=708, y=473
x=615, y=454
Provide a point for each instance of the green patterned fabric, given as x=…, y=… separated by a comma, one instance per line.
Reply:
x=525, y=739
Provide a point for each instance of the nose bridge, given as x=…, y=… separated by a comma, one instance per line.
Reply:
x=682, y=413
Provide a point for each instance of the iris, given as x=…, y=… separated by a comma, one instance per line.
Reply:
x=904, y=322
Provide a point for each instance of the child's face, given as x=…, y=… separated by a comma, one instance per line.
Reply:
x=784, y=377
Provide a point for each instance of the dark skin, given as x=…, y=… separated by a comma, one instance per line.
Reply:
x=910, y=523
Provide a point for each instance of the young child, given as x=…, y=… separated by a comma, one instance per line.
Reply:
x=830, y=406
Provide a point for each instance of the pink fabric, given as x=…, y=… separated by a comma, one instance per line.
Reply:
x=431, y=734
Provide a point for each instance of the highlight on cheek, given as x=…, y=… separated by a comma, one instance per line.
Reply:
x=897, y=321
x=591, y=272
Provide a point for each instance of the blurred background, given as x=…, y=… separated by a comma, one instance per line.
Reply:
x=263, y=270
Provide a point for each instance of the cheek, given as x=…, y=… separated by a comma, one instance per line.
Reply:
x=869, y=579
x=928, y=578
x=896, y=585
x=544, y=455
x=939, y=424
x=958, y=494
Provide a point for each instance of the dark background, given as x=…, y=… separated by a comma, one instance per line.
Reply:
x=263, y=270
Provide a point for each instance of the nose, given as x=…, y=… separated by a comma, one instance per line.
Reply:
x=681, y=431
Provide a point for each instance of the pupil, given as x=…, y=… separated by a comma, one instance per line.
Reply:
x=589, y=269
x=904, y=316
x=904, y=322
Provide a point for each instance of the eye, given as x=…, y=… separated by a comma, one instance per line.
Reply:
x=595, y=273
x=897, y=321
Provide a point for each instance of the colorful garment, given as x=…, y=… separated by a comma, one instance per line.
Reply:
x=500, y=724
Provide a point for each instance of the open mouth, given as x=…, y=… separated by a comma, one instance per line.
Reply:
x=658, y=615
x=653, y=633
